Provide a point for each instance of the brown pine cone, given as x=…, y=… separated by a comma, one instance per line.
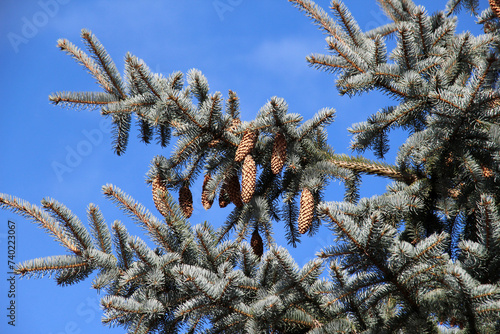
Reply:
x=248, y=176
x=246, y=145
x=495, y=7
x=223, y=197
x=186, y=201
x=233, y=190
x=278, y=157
x=306, y=212
x=234, y=125
x=207, y=204
x=487, y=172
x=456, y=191
x=159, y=186
x=256, y=243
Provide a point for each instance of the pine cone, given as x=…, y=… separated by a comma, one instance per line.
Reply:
x=233, y=190
x=278, y=157
x=158, y=184
x=495, y=7
x=487, y=172
x=248, y=176
x=246, y=145
x=256, y=243
x=223, y=197
x=234, y=125
x=186, y=201
x=456, y=191
x=207, y=204
x=306, y=212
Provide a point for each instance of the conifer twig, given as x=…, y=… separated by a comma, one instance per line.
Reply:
x=363, y=165
x=34, y=213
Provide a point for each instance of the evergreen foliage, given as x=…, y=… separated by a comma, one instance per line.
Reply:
x=424, y=257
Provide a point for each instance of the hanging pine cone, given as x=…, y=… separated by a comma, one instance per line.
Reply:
x=234, y=125
x=207, y=204
x=223, y=197
x=233, y=190
x=157, y=185
x=246, y=145
x=278, y=157
x=495, y=7
x=256, y=243
x=248, y=176
x=186, y=201
x=306, y=212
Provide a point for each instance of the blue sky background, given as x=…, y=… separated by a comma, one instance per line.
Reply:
x=255, y=48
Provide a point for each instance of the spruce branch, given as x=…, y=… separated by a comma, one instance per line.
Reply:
x=328, y=63
x=141, y=77
x=83, y=100
x=362, y=165
x=120, y=241
x=105, y=63
x=140, y=215
x=350, y=232
x=198, y=85
x=349, y=25
x=382, y=31
x=50, y=265
x=83, y=59
x=454, y=6
x=100, y=229
x=406, y=49
x=317, y=14
x=72, y=225
x=121, y=130
x=397, y=10
x=349, y=55
x=424, y=29
x=35, y=214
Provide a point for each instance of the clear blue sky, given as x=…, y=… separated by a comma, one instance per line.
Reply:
x=255, y=48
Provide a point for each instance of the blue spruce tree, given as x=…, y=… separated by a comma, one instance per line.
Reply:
x=424, y=257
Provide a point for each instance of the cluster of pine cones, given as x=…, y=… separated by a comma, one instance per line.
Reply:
x=231, y=192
